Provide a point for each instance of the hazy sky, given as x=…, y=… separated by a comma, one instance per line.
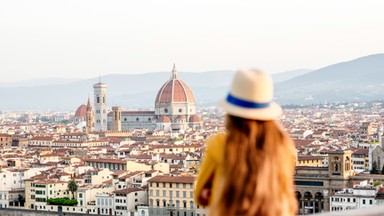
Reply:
x=85, y=38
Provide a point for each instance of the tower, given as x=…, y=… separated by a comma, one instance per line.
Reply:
x=100, y=104
x=340, y=168
x=116, y=118
x=89, y=117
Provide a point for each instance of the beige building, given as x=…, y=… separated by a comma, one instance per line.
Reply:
x=171, y=195
x=309, y=160
x=5, y=140
x=101, y=176
x=38, y=191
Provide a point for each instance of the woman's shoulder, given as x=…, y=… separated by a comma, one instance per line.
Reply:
x=216, y=139
x=215, y=144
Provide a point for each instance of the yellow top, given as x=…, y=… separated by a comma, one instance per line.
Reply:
x=211, y=165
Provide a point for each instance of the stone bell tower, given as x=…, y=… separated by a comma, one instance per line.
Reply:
x=89, y=117
x=339, y=169
x=100, y=105
x=116, y=118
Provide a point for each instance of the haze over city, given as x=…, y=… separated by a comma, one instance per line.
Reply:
x=82, y=39
x=107, y=107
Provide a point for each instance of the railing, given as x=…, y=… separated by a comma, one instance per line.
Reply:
x=372, y=211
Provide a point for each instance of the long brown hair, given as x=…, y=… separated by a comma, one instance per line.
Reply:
x=258, y=171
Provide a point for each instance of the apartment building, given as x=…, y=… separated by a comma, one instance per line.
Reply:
x=5, y=140
x=171, y=195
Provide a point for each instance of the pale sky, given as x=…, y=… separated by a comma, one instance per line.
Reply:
x=85, y=38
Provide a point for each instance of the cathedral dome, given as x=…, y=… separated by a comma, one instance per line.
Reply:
x=174, y=90
x=164, y=119
x=81, y=112
x=195, y=118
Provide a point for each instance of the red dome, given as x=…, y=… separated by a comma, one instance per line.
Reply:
x=81, y=112
x=194, y=118
x=175, y=90
x=164, y=119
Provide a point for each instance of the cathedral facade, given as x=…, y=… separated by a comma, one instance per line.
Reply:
x=175, y=109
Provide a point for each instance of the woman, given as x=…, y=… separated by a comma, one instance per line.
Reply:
x=249, y=169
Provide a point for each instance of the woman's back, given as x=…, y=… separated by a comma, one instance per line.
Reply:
x=250, y=171
x=257, y=177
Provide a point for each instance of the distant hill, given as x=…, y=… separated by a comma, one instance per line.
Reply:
x=284, y=76
x=126, y=90
x=358, y=79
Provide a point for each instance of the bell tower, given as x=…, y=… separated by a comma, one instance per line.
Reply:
x=116, y=118
x=89, y=117
x=340, y=168
x=100, y=105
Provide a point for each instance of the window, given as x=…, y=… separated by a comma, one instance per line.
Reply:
x=98, y=99
x=191, y=194
x=184, y=185
x=185, y=194
x=177, y=193
x=80, y=195
x=170, y=184
x=363, y=201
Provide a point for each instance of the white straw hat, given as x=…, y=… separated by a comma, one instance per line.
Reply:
x=251, y=96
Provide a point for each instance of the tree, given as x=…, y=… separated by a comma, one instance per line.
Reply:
x=374, y=168
x=21, y=200
x=72, y=186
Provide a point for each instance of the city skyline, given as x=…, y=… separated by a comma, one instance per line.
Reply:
x=71, y=39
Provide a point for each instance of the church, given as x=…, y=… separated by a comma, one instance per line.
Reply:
x=175, y=110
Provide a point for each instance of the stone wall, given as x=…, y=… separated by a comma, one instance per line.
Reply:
x=20, y=212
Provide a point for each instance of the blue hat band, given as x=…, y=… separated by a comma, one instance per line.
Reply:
x=246, y=104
